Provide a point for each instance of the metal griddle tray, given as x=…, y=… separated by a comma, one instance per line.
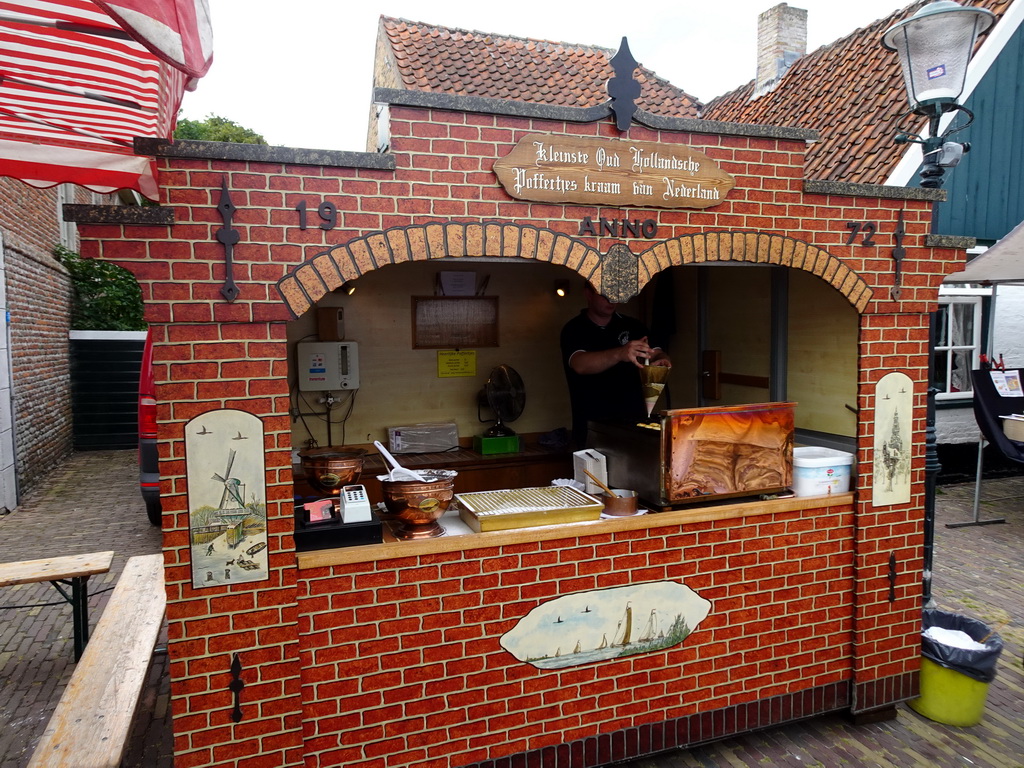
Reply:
x=526, y=507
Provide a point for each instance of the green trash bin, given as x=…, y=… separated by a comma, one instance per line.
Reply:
x=955, y=681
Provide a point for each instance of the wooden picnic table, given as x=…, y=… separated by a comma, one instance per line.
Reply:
x=93, y=719
x=61, y=572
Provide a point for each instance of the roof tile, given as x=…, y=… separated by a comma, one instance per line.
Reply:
x=851, y=92
x=465, y=63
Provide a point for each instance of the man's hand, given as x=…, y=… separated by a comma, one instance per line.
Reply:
x=636, y=352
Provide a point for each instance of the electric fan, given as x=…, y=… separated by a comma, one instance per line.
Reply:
x=505, y=395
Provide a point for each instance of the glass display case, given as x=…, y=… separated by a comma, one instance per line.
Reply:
x=697, y=454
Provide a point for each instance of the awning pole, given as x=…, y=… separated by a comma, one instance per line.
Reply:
x=992, y=322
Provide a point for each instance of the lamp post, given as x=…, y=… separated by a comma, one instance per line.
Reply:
x=934, y=46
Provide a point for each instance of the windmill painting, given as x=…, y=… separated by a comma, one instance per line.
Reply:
x=606, y=624
x=227, y=498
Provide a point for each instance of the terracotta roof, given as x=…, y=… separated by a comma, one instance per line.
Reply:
x=851, y=92
x=465, y=63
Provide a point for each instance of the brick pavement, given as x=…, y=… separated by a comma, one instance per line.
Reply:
x=89, y=504
x=92, y=503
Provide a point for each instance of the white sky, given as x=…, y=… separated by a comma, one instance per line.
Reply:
x=299, y=72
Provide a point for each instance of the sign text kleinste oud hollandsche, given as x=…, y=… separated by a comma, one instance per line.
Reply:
x=594, y=171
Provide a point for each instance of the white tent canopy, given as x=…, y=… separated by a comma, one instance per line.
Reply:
x=1002, y=263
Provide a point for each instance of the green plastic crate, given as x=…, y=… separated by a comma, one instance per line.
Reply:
x=491, y=445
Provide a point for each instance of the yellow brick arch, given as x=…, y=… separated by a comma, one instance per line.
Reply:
x=619, y=273
x=754, y=248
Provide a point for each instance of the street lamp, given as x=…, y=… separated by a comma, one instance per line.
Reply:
x=934, y=46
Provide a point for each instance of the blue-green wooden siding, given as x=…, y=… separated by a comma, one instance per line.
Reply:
x=986, y=191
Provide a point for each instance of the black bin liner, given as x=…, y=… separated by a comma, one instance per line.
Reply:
x=980, y=664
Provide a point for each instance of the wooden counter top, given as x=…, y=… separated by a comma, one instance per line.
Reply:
x=392, y=548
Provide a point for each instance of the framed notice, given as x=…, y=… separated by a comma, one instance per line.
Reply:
x=453, y=364
x=454, y=322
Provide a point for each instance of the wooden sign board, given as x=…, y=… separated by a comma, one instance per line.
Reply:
x=594, y=171
x=446, y=322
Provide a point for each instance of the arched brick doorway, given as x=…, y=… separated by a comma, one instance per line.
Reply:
x=619, y=273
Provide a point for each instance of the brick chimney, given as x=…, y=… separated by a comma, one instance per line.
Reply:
x=781, y=40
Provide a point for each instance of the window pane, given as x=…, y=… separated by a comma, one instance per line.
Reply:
x=956, y=350
x=963, y=324
x=939, y=377
x=960, y=376
x=941, y=323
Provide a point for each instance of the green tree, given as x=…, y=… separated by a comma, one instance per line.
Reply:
x=106, y=297
x=215, y=128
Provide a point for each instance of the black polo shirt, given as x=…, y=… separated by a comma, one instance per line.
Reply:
x=612, y=395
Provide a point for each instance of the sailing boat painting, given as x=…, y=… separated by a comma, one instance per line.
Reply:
x=226, y=498
x=606, y=624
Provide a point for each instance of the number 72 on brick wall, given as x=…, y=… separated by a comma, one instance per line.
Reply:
x=866, y=227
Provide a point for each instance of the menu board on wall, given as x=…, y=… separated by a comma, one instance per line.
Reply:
x=444, y=322
x=594, y=171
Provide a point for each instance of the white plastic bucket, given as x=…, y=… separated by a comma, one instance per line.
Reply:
x=820, y=471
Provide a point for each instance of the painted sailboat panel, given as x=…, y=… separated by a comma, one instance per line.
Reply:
x=606, y=624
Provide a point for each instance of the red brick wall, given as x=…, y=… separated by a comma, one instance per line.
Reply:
x=237, y=366
x=402, y=665
x=888, y=634
x=39, y=299
x=213, y=354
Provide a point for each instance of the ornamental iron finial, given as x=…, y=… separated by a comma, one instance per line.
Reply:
x=623, y=88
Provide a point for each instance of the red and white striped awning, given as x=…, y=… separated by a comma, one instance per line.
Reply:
x=80, y=79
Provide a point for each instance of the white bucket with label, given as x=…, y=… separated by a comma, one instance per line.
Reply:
x=820, y=471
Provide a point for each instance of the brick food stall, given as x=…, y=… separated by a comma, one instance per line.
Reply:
x=402, y=653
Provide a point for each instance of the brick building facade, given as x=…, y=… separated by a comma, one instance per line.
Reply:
x=38, y=292
x=390, y=657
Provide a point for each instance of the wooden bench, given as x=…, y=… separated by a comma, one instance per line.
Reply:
x=70, y=570
x=91, y=723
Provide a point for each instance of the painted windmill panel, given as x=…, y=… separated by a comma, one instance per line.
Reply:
x=224, y=462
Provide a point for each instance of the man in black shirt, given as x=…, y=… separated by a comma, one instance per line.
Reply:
x=602, y=353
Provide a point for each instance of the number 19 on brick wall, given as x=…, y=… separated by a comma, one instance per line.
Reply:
x=326, y=211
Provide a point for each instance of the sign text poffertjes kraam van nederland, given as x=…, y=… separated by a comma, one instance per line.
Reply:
x=580, y=169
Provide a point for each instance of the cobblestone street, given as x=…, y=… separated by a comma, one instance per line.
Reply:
x=91, y=504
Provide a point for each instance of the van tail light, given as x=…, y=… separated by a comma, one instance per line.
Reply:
x=147, y=416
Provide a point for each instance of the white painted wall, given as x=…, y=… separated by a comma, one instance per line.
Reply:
x=1008, y=336
x=8, y=482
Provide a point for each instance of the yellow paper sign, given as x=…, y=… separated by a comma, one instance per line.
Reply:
x=452, y=363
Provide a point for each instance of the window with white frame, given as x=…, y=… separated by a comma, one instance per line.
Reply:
x=957, y=344
x=68, y=229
